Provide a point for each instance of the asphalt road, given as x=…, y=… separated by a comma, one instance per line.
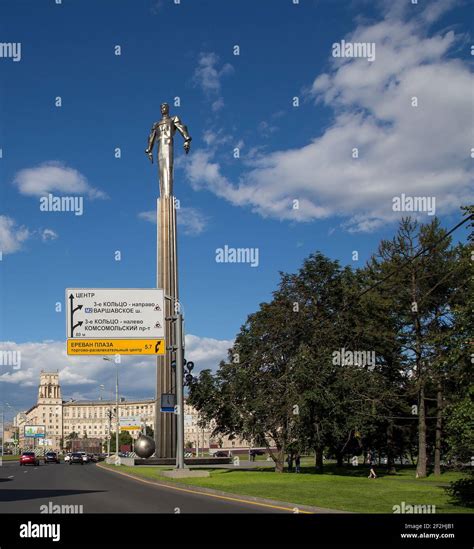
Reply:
x=25, y=489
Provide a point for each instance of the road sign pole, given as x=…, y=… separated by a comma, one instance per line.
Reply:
x=117, y=418
x=179, y=392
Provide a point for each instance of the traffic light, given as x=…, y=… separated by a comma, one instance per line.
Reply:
x=189, y=378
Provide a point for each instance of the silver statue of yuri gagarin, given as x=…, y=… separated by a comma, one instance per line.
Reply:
x=164, y=131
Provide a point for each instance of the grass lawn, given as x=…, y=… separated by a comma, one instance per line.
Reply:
x=345, y=489
x=10, y=458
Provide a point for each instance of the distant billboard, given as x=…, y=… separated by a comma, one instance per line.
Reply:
x=35, y=431
x=130, y=423
x=45, y=442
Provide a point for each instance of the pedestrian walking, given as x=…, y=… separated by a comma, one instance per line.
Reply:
x=289, y=460
x=298, y=463
x=371, y=460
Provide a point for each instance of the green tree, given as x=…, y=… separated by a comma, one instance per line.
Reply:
x=124, y=439
x=252, y=394
x=69, y=437
x=282, y=387
x=460, y=428
x=422, y=288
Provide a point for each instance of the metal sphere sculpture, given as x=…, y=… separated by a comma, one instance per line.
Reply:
x=144, y=446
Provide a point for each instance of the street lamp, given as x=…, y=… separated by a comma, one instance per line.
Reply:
x=3, y=426
x=117, y=423
x=109, y=417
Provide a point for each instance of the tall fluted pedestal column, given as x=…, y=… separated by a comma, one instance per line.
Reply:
x=167, y=268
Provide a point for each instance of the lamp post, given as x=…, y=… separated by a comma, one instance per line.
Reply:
x=109, y=416
x=117, y=420
x=3, y=427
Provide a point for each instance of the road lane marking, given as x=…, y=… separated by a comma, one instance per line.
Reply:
x=290, y=509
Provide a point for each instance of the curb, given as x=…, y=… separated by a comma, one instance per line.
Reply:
x=283, y=505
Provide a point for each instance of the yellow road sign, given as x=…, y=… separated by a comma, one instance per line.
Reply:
x=115, y=346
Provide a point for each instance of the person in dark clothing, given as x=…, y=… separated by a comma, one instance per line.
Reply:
x=298, y=463
x=289, y=460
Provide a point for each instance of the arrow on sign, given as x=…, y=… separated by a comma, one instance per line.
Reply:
x=71, y=301
x=73, y=310
x=75, y=326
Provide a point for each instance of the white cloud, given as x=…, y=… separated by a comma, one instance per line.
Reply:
x=208, y=76
x=206, y=352
x=191, y=220
x=214, y=138
x=12, y=236
x=420, y=151
x=54, y=177
x=80, y=377
x=217, y=104
x=48, y=234
x=266, y=128
x=149, y=215
x=49, y=356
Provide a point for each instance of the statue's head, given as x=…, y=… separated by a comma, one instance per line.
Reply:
x=165, y=108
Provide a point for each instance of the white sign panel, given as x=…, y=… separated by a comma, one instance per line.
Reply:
x=115, y=313
x=130, y=423
x=45, y=442
x=132, y=420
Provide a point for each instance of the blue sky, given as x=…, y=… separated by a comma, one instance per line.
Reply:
x=227, y=101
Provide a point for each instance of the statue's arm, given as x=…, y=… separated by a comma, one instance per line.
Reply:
x=151, y=142
x=183, y=130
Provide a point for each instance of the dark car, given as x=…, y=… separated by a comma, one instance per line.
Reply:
x=76, y=458
x=29, y=458
x=51, y=457
x=221, y=454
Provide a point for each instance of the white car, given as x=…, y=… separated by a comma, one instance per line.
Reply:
x=85, y=457
x=67, y=458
